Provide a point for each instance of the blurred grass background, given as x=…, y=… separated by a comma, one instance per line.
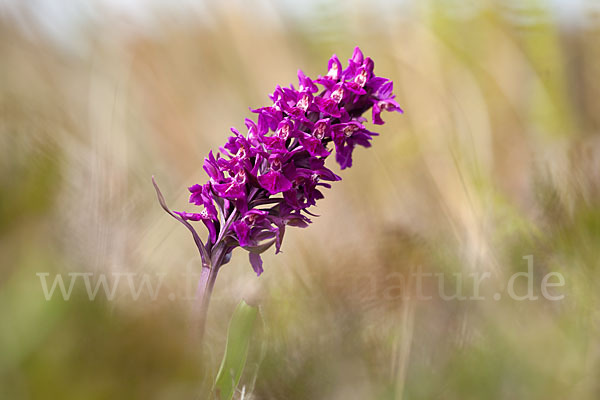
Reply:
x=496, y=157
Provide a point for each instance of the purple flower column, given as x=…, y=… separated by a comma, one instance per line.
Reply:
x=268, y=179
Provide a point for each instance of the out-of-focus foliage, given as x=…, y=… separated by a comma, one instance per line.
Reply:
x=239, y=335
x=497, y=157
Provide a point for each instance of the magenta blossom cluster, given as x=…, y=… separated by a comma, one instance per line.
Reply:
x=268, y=178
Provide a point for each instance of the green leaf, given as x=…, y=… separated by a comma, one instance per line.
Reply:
x=240, y=331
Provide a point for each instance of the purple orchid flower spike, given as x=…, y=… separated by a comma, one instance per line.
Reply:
x=268, y=179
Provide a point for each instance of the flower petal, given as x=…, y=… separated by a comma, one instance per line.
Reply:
x=256, y=262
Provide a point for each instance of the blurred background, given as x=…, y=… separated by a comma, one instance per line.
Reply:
x=496, y=158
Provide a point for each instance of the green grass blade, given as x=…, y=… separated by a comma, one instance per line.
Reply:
x=240, y=331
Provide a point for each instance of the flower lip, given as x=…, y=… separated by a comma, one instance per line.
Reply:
x=333, y=71
x=276, y=164
x=350, y=129
x=251, y=217
x=338, y=94
x=283, y=130
x=334, y=68
x=303, y=102
x=361, y=78
x=320, y=128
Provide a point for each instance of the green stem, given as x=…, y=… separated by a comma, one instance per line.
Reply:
x=206, y=284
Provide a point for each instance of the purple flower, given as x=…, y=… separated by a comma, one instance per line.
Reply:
x=274, y=182
x=384, y=101
x=252, y=220
x=266, y=180
x=205, y=218
x=306, y=84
